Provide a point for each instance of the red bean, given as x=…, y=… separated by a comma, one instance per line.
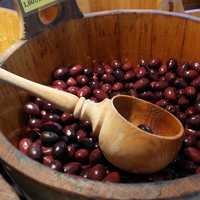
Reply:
x=113, y=177
x=193, y=154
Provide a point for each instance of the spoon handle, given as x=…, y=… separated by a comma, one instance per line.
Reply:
x=63, y=100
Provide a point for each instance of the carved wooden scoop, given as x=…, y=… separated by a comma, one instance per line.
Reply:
x=116, y=122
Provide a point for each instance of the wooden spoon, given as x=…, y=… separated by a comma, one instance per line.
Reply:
x=116, y=122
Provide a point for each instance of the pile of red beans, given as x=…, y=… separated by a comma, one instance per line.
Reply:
x=66, y=144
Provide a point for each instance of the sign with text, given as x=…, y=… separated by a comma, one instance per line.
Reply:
x=31, y=5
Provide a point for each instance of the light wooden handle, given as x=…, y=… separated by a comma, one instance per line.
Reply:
x=63, y=100
x=171, y=5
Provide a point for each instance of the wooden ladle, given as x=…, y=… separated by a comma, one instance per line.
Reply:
x=116, y=122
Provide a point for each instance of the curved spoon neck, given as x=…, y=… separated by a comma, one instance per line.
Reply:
x=88, y=110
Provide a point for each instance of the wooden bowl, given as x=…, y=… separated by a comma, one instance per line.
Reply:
x=102, y=36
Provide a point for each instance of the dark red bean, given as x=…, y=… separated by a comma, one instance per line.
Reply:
x=69, y=132
x=197, y=143
x=84, y=92
x=56, y=165
x=197, y=106
x=155, y=63
x=163, y=70
x=190, y=92
x=190, y=74
x=170, y=77
x=198, y=170
x=33, y=134
x=160, y=85
x=107, y=78
x=172, y=64
x=113, y=177
x=85, y=171
x=146, y=128
x=38, y=101
x=59, y=150
x=46, y=150
x=95, y=156
x=170, y=93
x=119, y=74
x=72, y=168
x=117, y=86
x=182, y=68
x=141, y=84
x=67, y=118
x=97, y=172
x=108, y=69
x=193, y=154
x=94, y=84
x=171, y=109
x=82, y=80
x=153, y=74
x=32, y=108
x=61, y=73
x=189, y=141
x=34, y=123
x=129, y=75
x=81, y=135
x=187, y=165
x=88, y=71
x=59, y=83
x=146, y=95
x=132, y=92
x=196, y=66
x=106, y=88
x=99, y=70
x=189, y=131
x=142, y=63
x=73, y=89
x=71, y=82
x=181, y=116
x=162, y=103
x=158, y=95
x=183, y=102
x=127, y=66
x=76, y=70
x=116, y=64
x=49, y=138
x=51, y=126
x=194, y=121
x=140, y=72
x=99, y=94
x=35, y=151
x=196, y=82
x=57, y=87
x=71, y=149
x=180, y=92
x=51, y=117
x=86, y=125
x=191, y=111
x=82, y=155
x=48, y=160
x=180, y=83
x=24, y=145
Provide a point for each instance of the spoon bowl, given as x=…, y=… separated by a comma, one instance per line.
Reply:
x=116, y=122
x=129, y=147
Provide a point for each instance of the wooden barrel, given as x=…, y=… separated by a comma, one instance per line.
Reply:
x=99, y=5
x=99, y=36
